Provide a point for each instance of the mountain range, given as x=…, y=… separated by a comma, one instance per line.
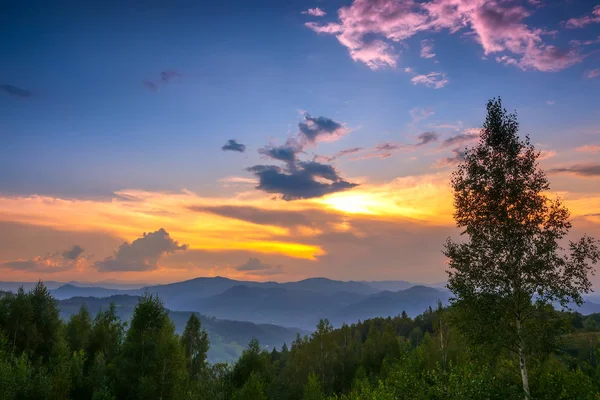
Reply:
x=299, y=304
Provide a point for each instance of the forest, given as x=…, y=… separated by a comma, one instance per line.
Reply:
x=101, y=357
x=508, y=333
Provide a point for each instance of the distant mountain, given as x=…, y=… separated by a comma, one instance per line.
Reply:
x=53, y=285
x=277, y=305
x=329, y=286
x=227, y=338
x=69, y=290
x=188, y=294
x=303, y=308
x=392, y=286
x=27, y=286
x=413, y=300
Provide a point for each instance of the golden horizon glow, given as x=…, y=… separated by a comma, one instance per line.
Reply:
x=424, y=200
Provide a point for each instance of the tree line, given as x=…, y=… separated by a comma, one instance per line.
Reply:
x=100, y=358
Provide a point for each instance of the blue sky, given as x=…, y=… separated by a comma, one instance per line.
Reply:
x=250, y=72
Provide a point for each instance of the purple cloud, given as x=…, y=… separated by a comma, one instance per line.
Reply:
x=370, y=29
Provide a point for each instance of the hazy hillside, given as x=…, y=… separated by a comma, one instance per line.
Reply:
x=69, y=290
x=277, y=305
x=413, y=300
x=227, y=338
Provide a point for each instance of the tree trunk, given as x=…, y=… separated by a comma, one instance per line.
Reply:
x=522, y=362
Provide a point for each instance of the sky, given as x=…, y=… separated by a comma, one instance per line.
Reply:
x=157, y=141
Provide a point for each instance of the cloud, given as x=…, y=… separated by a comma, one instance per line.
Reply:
x=300, y=180
x=50, y=263
x=233, y=145
x=164, y=77
x=386, y=149
x=142, y=254
x=594, y=73
x=153, y=87
x=370, y=29
x=261, y=216
x=427, y=48
x=550, y=102
x=286, y=153
x=73, y=253
x=169, y=74
x=435, y=80
x=256, y=267
x=427, y=137
x=315, y=12
x=589, y=148
x=237, y=180
x=459, y=139
x=321, y=129
x=581, y=22
x=15, y=91
x=418, y=114
x=457, y=157
x=546, y=154
x=341, y=153
x=582, y=170
x=346, y=152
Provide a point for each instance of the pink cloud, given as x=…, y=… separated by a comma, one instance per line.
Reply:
x=427, y=48
x=315, y=12
x=369, y=28
x=594, y=73
x=589, y=148
x=581, y=22
x=550, y=102
x=418, y=114
x=546, y=154
x=435, y=80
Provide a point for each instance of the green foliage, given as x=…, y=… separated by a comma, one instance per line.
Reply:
x=152, y=363
x=377, y=359
x=195, y=344
x=312, y=388
x=78, y=329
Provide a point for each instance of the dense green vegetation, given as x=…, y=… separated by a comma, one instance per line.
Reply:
x=98, y=357
x=228, y=338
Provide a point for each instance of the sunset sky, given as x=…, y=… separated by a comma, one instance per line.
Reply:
x=275, y=140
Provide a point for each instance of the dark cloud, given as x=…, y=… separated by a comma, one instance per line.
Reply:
x=458, y=156
x=583, y=170
x=256, y=267
x=286, y=153
x=388, y=146
x=168, y=74
x=257, y=215
x=233, y=145
x=38, y=264
x=300, y=181
x=142, y=254
x=320, y=129
x=427, y=137
x=150, y=85
x=164, y=77
x=15, y=91
x=348, y=151
x=54, y=262
x=458, y=139
x=73, y=253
